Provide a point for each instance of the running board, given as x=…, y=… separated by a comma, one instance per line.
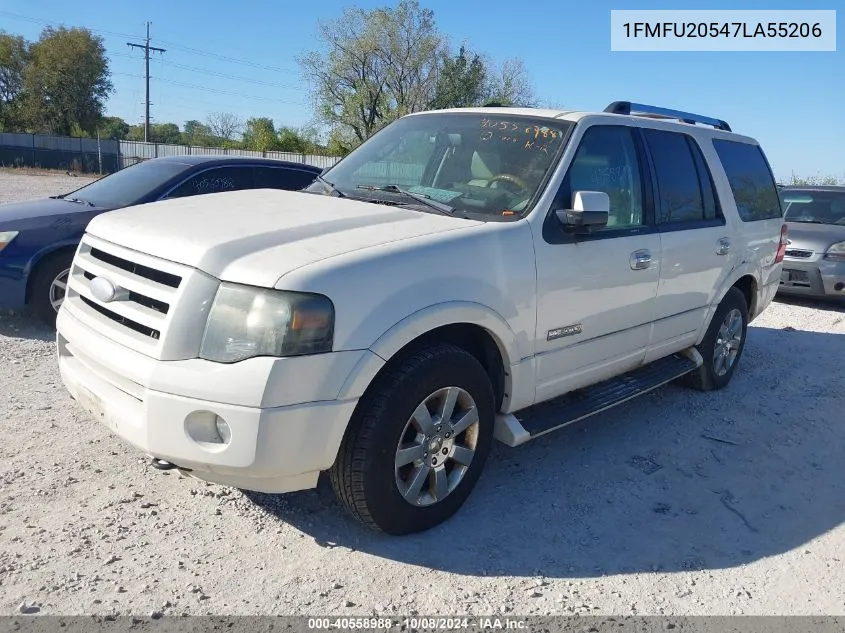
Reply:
x=517, y=428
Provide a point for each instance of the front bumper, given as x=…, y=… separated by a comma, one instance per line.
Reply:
x=817, y=277
x=276, y=444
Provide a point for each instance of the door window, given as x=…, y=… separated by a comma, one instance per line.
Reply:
x=607, y=161
x=288, y=178
x=214, y=181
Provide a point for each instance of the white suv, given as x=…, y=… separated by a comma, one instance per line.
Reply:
x=463, y=275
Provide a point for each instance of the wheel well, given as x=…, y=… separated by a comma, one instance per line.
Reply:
x=63, y=250
x=472, y=338
x=748, y=286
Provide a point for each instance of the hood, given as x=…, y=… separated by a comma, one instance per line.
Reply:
x=813, y=237
x=16, y=212
x=257, y=236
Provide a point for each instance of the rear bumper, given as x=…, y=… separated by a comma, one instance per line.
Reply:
x=271, y=448
x=820, y=278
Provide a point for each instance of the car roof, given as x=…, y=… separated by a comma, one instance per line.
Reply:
x=216, y=160
x=650, y=116
x=835, y=188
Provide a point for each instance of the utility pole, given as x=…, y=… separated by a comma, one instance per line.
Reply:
x=147, y=48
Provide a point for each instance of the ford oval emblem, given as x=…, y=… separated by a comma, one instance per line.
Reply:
x=103, y=289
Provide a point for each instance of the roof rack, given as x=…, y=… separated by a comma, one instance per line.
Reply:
x=626, y=107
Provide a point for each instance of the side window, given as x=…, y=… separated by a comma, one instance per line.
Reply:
x=751, y=180
x=214, y=181
x=288, y=178
x=607, y=161
x=679, y=191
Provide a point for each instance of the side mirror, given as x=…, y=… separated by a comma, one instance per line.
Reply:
x=589, y=209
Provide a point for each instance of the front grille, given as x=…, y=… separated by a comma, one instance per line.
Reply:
x=796, y=253
x=132, y=325
x=148, y=287
x=146, y=272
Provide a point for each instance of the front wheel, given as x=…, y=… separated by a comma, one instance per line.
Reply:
x=418, y=444
x=722, y=345
x=49, y=285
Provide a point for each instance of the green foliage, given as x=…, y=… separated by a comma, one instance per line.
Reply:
x=113, y=127
x=198, y=135
x=159, y=133
x=260, y=134
x=829, y=179
x=66, y=81
x=462, y=81
x=377, y=66
x=14, y=56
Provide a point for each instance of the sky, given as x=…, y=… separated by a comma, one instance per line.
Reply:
x=240, y=57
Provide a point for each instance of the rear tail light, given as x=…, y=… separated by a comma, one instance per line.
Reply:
x=781, y=245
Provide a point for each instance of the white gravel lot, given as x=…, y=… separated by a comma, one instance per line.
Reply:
x=678, y=503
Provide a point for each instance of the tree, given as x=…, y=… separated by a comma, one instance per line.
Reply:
x=225, y=125
x=260, y=134
x=461, y=82
x=113, y=127
x=197, y=134
x=378, y=65
x=66, y=81
x=811, y=181
x=159, y=133
x=511, y=85
x=14, y=56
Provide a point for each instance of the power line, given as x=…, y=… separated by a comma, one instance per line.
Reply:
x=214, y=73
x=234, y=60
x=173, y=45
x=147, y=48
x=215, y=90
x=45, y=23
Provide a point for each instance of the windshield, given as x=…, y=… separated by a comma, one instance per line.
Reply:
x=128, y=186
x=814, y=206
x=491, y=165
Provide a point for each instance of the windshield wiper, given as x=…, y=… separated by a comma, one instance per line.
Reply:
x=445, y=209
x=331, y=186
x=80, y=201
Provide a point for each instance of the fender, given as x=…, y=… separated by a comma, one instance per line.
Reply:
x=425, y=320
x=49, y=250
x=746, y=268
x=38, y=256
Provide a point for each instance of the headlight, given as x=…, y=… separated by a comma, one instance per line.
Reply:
x=836, y=252
x=245, y=322
x=6, y=237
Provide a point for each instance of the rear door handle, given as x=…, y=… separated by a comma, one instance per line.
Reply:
x=640, y=260
x=724, y=246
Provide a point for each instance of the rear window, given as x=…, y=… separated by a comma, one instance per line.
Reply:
x=751, y=180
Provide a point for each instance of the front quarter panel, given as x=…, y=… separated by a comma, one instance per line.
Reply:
x=388, y=295
x=38, y=238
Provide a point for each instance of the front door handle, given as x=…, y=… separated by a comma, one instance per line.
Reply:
x=640, y=260
x=724, y=246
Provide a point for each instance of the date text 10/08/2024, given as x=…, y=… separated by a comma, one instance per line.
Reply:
x=418, y=623
x=724, y=29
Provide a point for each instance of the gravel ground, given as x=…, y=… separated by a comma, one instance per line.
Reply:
x=679, y=503
x=18, y=184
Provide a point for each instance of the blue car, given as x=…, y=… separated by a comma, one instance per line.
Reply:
x=38, y=238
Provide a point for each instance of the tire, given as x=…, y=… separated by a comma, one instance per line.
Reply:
x=44, y=289
x=713, y=373
x=366, y=477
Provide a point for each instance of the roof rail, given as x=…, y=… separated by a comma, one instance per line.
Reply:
x=626, y=107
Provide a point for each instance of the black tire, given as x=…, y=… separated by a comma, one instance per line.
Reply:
x=364, y=474
x=46, y=271
x=708, y=377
